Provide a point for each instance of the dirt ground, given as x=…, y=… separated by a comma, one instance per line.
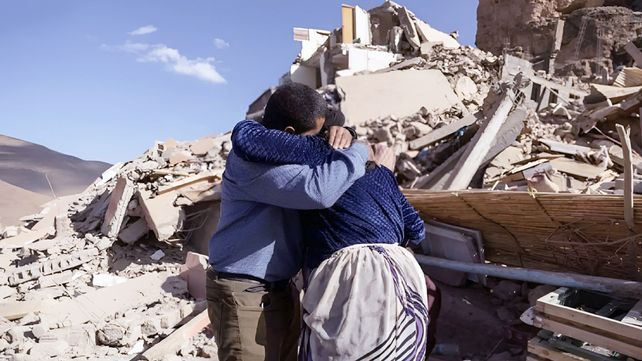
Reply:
x=469, y=326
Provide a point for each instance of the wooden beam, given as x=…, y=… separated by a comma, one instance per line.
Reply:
x=576, y=331
x=172, y=343
x=635, y=53
x=550, y=305
x=480, y=145
x=210, y=177
x=347, y=24
x=625, y=139
x=436, y=180
x=441, y=133
x=547, y=352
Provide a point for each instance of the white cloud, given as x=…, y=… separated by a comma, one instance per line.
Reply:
x=220, y=43
x=200, y=68
x=143, y=30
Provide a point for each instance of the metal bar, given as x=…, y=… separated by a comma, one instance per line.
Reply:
x=600, y=284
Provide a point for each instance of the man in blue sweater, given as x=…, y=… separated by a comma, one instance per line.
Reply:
x=258, y=245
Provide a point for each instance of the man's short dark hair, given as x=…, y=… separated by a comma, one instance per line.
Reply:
x=295, y=105
x=334, y=117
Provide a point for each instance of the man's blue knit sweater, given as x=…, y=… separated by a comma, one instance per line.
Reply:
x=373, y=210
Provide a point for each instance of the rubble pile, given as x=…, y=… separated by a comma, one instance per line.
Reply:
x=433, y=101
x=107, y=274
x=117, y=272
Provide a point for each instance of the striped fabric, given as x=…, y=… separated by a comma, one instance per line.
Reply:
x=366, y=302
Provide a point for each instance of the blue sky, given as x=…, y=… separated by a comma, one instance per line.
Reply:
x=102, y=80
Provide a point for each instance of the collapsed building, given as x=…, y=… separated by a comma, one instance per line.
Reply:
x=517, y=161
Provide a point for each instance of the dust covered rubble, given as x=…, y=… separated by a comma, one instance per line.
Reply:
x=107, y=274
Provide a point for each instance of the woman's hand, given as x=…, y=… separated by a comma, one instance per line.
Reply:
x=385, y=156
x=339, y=137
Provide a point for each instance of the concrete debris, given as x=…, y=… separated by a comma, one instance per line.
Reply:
x=161, y=215
x=134, y=231
x=117, y=208
x=194, y=273
x=157, y=256
x=534, y=109
x=100, y=280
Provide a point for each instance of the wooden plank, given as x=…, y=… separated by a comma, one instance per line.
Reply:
x=587, y=335
x=550, y=305
x=347, y=24
x=629, y=77
x=565, y=148
x=210, y=177
x=480, y=145
x=634, y=316
x=441, y=133
x=437, y=179
x=548, y=352
x=635, y=53
x=172, y=343
x=575, y=168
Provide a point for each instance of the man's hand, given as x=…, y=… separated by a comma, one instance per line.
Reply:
x=339, y=137
x=385, y=156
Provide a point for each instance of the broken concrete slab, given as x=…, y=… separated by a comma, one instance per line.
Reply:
x=194, y=271
x=15, y=310
x=96, y=306
x=117, y=208
x=409, y=27
x=370, y=96
x=161, y=215
x=133, y=232
x=24, y=238
x=202, y=146
x=58, y=264
x=432, y=35
x=173, y=343
x=179, y=156
x=575, y=168
x=56, y=279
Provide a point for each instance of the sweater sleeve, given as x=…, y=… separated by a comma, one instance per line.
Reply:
x=255, y=143
x=414, y=227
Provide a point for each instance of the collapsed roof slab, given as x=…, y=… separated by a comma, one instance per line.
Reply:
x=396, y=93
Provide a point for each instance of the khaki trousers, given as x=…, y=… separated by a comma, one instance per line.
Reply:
x=251, y=323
